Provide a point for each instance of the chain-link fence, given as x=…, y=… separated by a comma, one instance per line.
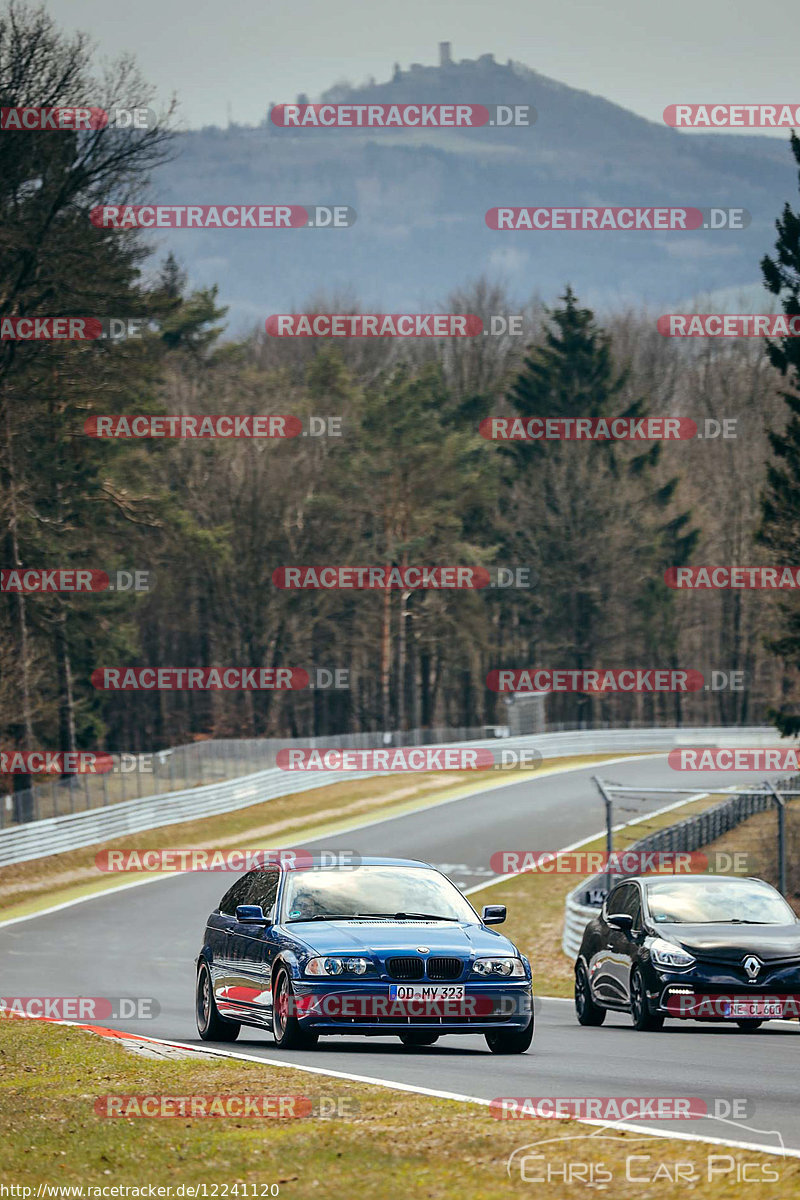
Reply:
x=721, y=826
x=212, y=761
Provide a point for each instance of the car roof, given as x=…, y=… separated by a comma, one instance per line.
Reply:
x=690, y=879
x=371, y=861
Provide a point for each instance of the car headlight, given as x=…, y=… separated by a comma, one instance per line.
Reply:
x=667, y=954
x=505, y=968
x=337, y=966
x=324, y=966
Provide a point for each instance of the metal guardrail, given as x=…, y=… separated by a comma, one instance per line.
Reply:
x=212, y=760
x=689, y=834
x=55, y=835
x=158, y=773
x=576, y=917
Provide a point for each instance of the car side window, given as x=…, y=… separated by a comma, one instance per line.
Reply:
x=633, y=905
x=262, y=889
x=616, y=899
x=235, y=896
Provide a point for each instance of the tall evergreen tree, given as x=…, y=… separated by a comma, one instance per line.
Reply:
x=780, y=529
x=595, y=516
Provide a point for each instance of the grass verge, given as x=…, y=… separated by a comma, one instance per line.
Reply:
x=756, y=841
x=386, y=1143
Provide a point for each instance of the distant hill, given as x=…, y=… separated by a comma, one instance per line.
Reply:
x=421, y=198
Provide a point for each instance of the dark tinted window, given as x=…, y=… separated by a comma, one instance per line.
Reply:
x=256, y=887
x=235, y=895
x=718, y=901
x=262, y=889
x=633, y=905
x=616, y=900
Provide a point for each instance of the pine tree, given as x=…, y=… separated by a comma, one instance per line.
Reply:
x=780, y=528
x=596, y=517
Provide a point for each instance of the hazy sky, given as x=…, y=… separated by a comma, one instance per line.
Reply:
x=642, y=55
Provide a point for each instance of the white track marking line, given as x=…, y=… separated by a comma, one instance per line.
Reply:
x=161, y=876
x=438, y=1094
x=414, y=1088
x=657, y=812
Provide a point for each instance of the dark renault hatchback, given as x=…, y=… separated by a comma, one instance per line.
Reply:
x=694, y=947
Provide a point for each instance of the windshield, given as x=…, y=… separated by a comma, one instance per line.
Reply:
x=718, y=902
x=374, y=891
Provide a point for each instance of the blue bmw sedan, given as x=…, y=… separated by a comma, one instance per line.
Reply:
x=390, y=946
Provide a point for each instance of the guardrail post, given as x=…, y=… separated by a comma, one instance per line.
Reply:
x=609, y=826
x=781, y=803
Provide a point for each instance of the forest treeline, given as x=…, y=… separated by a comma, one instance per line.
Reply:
x=409, y=481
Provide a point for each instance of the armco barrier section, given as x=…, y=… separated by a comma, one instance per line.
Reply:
x=200, y=764
x=54, y=835
x=576, y=917
x=691, y=833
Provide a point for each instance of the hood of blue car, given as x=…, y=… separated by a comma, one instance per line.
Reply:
x=404, y=937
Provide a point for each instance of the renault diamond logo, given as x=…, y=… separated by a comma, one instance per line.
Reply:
x=752, y=965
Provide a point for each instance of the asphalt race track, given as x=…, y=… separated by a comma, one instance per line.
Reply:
x=142, y=941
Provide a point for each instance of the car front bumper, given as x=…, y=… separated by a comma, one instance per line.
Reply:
x=366, y=1007
x=703, y=993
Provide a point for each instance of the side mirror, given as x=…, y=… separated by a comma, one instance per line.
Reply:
x=494, y=914
x=250, y=914
x=623, y=921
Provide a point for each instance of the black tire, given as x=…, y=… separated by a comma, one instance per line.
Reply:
x=510, y=1041
x=210, y=1025
x=749, y=1026
x=587, y=1012
x=419, y=1039
x=285, y=1027
x=643, y=1019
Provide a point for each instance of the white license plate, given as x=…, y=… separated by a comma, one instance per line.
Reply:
x=761, y=1009
x=426, y=991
